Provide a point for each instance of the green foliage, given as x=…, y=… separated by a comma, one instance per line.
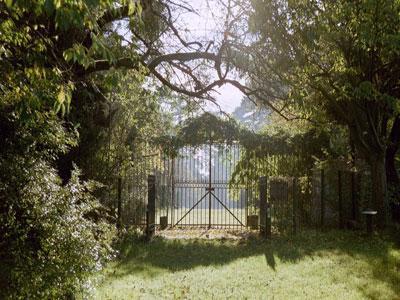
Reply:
x=335, y=61
x=331, y=59
x=208, y=128
x=51, y=114
x=117, y=136
x=45, y=41
x=134, y=118
x=49, y=245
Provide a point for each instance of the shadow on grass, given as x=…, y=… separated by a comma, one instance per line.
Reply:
x=162, y=255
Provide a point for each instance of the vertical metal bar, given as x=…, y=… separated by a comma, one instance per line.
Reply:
x=173, y=191
x=353, y=196
x=263, y=206
x=189, y=188
x=246, y=199
x=286, y=205
x=142, y=192
x=187, y=182
x=168, y=185
x=151, y=204
x=119, y=203
x=217, y=191
x=294, y=204
x=183, y=187
x=224, y=179
x=340, y=198
x=187, y=199
x=199, y=188
x=178, y=186
x=224, y=172
x=230, y=196
x=209, y=187
x=322, y=197
x=144, y=179
x=192, y=183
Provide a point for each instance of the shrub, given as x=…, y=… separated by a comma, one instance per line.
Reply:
x=50, y=240
x=49, y=246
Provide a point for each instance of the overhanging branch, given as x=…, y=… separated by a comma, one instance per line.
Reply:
x=134, y=63
x=113, y=15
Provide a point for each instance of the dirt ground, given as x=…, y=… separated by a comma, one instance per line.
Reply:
x=204, y=233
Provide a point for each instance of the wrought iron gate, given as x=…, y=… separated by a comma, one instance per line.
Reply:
x=195, y=188
x=202, y=192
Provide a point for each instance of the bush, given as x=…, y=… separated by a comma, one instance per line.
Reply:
x=51, y=239
x=48, y=245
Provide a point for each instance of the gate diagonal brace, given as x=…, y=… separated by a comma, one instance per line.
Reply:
x=229, y=211
x=193, y=207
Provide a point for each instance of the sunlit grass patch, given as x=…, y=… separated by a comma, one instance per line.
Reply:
x=335, y=265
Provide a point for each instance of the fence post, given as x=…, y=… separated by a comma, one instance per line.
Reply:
x=265, y=224
x=173, y=192
x=353, y=196
x=322, y=197
x=294, y=204
x=151, y=206
x=341, y=222
x=119, y=203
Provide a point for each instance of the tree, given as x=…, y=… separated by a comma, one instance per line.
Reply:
x=75, y=41
x=49, y=244
x=341, y=57
x=55, y=61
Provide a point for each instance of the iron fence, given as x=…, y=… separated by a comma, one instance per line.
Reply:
x=201, y=187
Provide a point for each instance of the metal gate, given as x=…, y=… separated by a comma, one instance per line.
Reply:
x=202, y=193
x=195, y=189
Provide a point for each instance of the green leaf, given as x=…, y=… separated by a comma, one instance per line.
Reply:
x=64, y=99
x=9, y=3
x=139, y=9
x=61, y=95
x=68, y=54
x=57, y=106
x=131, y=8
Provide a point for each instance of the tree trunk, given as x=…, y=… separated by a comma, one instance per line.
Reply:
x=378, y=177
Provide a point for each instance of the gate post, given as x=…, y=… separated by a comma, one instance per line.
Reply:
x=340, y=200
x=151, y=206
x=265, y=224
x=322, y=198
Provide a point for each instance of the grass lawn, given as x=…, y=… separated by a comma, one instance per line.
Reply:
x=332, y=265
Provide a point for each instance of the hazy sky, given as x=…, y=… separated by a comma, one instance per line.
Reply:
x=228, y=99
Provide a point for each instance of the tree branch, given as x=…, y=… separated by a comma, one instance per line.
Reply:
x=182, y=57
x=118, y=13
x=103, y=65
